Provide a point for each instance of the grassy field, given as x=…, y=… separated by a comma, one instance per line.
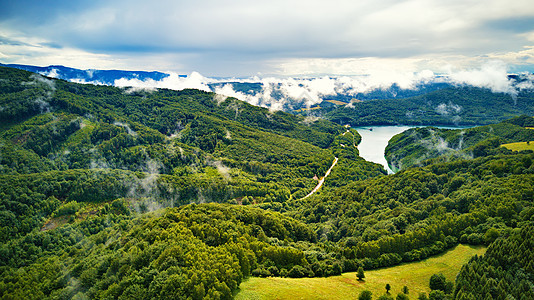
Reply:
x=519, y=146
x=336, y=102
x=414, y=275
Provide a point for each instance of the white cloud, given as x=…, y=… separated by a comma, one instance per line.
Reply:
x=492, y=75
x=279, y=93
x=245, y=37
x=173, y=81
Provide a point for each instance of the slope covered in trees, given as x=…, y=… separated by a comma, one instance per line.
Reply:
x=506, y=270
x=103, y=191
x=451, y=106
x=82, y=167
x=416, y=145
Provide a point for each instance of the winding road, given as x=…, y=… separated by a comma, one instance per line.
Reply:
x=321, y=181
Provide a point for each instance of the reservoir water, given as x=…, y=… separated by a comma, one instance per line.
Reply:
x=375, y=140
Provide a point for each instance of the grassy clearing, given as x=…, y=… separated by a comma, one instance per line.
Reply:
x=336, y=102
x=307, y=109
x=520, y=146
x=414, y=275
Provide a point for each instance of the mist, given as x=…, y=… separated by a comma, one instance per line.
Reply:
x=289, y=93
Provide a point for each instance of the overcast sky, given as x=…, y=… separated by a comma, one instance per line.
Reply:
x=246, y=38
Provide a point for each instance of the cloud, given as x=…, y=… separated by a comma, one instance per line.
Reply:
x=245, y=37
x=127, y=127
x=492, y=75
x=528, y=83
x=53, y=73
x=173, y=81
x=446, y=109
x=282, y=93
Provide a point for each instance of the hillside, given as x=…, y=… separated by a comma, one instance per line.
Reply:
x=107, y=77
x=135, y=194
x=414, y=275
x=414, y=146
x=451, y=106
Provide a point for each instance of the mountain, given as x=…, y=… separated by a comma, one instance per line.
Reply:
x=106, y=77
x=109, y=192
x=452, y=106
x=414, y=146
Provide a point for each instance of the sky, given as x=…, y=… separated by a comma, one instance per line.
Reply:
x=271, y=38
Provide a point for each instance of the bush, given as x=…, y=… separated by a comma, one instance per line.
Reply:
x=365, y=295
x=299, y=272
x=68, y=208
x=261, y=272
x=438, y=282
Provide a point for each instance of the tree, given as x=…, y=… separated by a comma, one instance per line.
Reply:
x=437, y=295
x=422, y=296
x=388, y=287
x=438, y=282
x=402, y=296
x=360, y=274
x=365, y=295
x=449, y=287
x=405, y=289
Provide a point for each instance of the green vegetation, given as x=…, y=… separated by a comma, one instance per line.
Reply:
x=123, y=193
x=415, y=276
x=504, y=272
x=421, y=146
x=451, y=106
x=519, y=146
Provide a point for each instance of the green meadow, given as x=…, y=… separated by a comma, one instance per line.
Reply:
x=520, y=146
x=415, y=276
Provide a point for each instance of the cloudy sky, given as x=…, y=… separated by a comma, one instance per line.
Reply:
x=285, y=38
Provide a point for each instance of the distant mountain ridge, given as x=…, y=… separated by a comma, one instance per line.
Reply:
x=436, y=101
x=106, y=77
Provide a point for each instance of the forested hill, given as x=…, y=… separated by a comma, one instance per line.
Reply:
x=449, y=106
x=107, y=77
x=418, y=145
x=98, y=143
x=79, y=162
x=104, y=194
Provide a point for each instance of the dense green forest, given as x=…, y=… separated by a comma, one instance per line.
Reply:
x=453, y=106
x=504, y=272
x=135, y=194
x=417, y=145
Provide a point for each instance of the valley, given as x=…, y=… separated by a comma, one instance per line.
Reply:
x=109, y=192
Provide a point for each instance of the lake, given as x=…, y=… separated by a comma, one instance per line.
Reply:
x=376, y=138
x=374, y=142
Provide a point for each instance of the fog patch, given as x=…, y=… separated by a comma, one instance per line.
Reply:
x=492, y=75
x=436, y=143
x=219, y=98
x=308, y=120
x=448, y=109
x=38, y=80
x=127, y=127
x=221, y=168
x=174, y=82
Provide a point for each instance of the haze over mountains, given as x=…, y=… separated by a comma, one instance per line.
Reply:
x=296, y=93
x=104, y=191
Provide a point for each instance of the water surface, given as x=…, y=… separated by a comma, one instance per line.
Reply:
x=374, y=142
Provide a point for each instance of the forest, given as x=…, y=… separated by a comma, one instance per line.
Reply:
x=449, y=106
x=134, y=194
x=420, y=146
